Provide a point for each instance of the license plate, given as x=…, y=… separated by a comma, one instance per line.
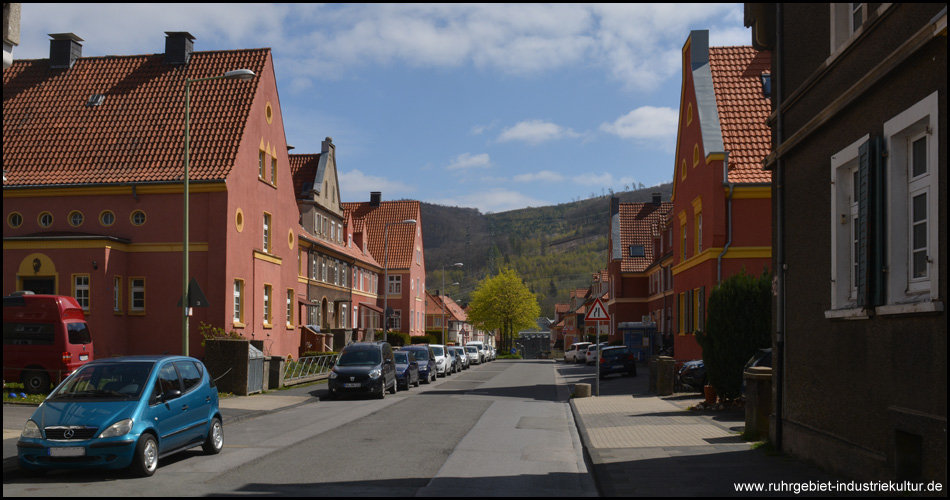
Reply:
x=617, y=367
x=351, y=386
x=83, y=357
x=72, y=451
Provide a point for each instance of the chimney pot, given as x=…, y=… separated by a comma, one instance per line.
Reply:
x=64, y=50
x=178, y=47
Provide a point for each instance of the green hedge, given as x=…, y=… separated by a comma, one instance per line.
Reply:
x=423, y=339
x=739, y=322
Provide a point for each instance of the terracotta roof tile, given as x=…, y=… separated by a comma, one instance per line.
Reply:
x=743, y=110
x=303, y=169
x=51, y=137
x=637, y=221
x=372, y=222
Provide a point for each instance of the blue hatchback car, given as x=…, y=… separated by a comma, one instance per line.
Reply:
x=124, y=413
x=426, y=359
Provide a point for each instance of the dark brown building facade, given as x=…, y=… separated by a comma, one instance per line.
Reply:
x=859, y=162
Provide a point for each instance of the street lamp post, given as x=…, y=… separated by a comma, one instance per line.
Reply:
x=238, y=74
x=457, y=264
x=386, y=274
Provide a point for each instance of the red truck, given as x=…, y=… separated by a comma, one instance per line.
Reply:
x=45, y=338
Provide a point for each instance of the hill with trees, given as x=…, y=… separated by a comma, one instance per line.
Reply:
x=554, y=249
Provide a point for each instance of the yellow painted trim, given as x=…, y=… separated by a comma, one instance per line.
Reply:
x=69, y=218
x=10, y=216
x=697, y=205
x=750, y=193
x=695, y=155
x=711, y=157
x=239, y=219
x=733, y=253
x=124, y=190
x=268, y=312
x=266, y=257
x=682, y=217
x=103, y=214
x=39, y=219
x=103, y=243
x=269, y=113
x=243, y=303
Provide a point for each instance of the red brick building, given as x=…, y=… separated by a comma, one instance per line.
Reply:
x=722, y=209
x=93, y=193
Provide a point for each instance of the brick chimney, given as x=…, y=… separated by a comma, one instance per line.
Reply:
x=64, y=50
x=178, y=47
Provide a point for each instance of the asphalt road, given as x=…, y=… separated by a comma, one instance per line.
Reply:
x=502, y=428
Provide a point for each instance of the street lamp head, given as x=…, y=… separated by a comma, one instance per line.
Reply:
x=240, y=74
x=458, y=264
x=408, y=221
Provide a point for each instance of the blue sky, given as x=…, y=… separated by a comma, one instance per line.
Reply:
x=495, y=106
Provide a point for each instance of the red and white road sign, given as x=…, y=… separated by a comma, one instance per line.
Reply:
x=597, y=312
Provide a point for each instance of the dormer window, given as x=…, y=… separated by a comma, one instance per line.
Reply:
x=637, y=251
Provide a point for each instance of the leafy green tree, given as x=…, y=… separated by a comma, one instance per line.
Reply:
x=504, y=303
x=738, y=323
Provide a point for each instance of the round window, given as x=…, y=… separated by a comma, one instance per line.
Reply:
x=45, y=219
x=75, y=218
x=107, y=218
x=15, y=220
x=138, y=217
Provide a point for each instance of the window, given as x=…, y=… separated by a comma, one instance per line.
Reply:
x=260, y=164
x=273, y=171
x=846, y=20
x=45, y=219
x=344, y=317
x=137, y=295
x=138, y=217
x=290, y=307
x=117, y=294
x=15, y=220
x=699, y=232
x=75, y=218
x=313, y=266
x=107, y=218
x=268, y=300
x=637, y=251
x=395, y=321
x=343, y=275
x=912, y=204
x=238, y=301
x=267, y=227
x=845, y=206
x=395, y=285
x=81, y=290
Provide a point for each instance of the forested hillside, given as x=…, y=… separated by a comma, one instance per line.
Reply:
x=554, y=249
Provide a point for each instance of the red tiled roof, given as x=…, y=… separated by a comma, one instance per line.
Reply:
x=637, y=222
x=372, y=222
x=453, y=312
x=51, y=137
x=743, y=110
x=303, y=169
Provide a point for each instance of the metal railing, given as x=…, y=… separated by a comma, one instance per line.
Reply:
x=309, y=367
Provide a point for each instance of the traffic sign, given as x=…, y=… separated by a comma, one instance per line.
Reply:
x=597, y=312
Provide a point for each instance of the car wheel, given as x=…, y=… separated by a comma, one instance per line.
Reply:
x=35, y=382
x=145, y=461
x=395, y=388
x=215, y=441
x=382, y=391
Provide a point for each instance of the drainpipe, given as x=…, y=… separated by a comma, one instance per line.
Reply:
x=779, y=231
x=732, y=186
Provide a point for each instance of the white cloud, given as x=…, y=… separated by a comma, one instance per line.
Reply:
x=645, y=123
x=604, y=180
x=494, y=200
x=535, y=132
x=356, y=186
x=466, y=161
x=542, y=176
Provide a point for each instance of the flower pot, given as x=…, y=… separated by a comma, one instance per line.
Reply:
x=710, y=393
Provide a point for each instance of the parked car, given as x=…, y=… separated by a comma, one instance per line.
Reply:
x=474, y=358
x=407, y=369
x=125, y=412
x=481, y=350
x=576, y=352
x=590, y=357
x=426, y=359
x=617, y=359
x=454, y=361
x=443, y=364
x=693, y=374
x=364, y=367
x=45, y=338
x=463, y=358
x=762, y=357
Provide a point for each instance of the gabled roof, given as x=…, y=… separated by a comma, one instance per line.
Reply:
x=637, y=228
x=303, y=169
x=372, y=221
x=136, y=134
x=453, y=312
x=743, y=110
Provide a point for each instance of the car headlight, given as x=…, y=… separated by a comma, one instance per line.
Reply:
x=31, y=430
x=119, y=428
x=332, y=373
x=375, y=373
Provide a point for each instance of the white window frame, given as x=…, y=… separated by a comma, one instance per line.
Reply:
x=117, y=294
x=395, y=284
x=238, y=301
x=843, y=165
x=267, y=225
x=290, y=307
x=136, y=291
x=81, y=290
x=906, y=294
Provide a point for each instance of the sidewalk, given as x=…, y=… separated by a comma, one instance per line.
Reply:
x=640, y=444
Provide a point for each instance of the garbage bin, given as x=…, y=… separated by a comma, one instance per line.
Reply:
x=664, y=375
